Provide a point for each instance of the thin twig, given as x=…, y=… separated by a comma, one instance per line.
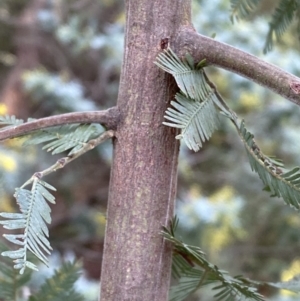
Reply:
x=108, y=118
x=62, y=162
x=225, y=109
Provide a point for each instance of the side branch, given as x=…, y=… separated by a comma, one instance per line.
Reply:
x=62, y=162
x=240, y=62
x=108, y=118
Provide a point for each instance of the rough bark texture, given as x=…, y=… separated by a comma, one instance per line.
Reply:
x=137, y=262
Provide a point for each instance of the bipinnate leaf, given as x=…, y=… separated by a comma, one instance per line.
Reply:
x=292, y=285
x=197, y=120
x=33, y=219
x=195, y=109
x=193, y=271
x=60, y=287
x=281, y=19
x=280, y=183
x=195, y=113
x=67, y=137
x=11, y=282
x=242, y=8
x=7, y=121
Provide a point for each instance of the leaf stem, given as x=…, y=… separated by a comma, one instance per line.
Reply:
x=62, y=162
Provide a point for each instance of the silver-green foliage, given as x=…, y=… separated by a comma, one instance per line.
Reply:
x=54, y=91
x=189, y=263
x=292, y=285
x=11, y=281
x=60, y=286
x=59, y=138
x=242, y=8
x=281, y=19
x=35, y=214
x=198, y=120
x=285, y=12
x=279, y=183
x=9, y=121
x=62, y=138
x=193, y=271
x=194, y=110
x=198, y=117
x=34, y=207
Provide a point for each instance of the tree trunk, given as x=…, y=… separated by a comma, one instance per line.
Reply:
x=137, y=262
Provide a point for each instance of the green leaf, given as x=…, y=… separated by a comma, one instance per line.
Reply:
x=242, y=8
x=60, y=286
x=35, y=214
x=190, y=80
x=67, y=137
x=190, y=60
x=10, y=280
x=292, y=285
x=194, y=110
x=281, y=19
x=9, y=121
x=279, y=183
x=197, y=120
x=194, y=271
x=201, y=64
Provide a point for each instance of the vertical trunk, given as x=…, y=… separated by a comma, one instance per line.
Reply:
x=136, y=263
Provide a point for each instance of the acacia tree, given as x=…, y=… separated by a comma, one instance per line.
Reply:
x=137, y=260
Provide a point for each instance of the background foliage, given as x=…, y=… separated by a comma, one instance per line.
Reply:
x=72, y=63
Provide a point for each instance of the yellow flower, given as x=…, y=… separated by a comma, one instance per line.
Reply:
x=100, y=219
x=3, y=109
x=250, y=101
x=7, y=162
x=6, y=204
x=290, y=273
x=224, y=194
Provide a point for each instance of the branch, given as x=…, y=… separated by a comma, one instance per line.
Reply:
x=108, y=118
x=240, y=62
x=62, y=162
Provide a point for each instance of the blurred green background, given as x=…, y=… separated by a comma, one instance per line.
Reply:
x=60, y=56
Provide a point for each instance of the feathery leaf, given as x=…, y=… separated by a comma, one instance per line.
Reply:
x=60, y=286
x=189, y=79
x=281, y=19
x=67, y=137
x=194, y=110
x=198, y=120
x=292, y=285
x=10, y=280
x=194, y=271
x=9, y=121
x=279, y=183
x=35, y=213
x=242, y=8
x=297, y=16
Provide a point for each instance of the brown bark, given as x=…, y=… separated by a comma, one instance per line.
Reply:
x=240, y=62
x=137, y=262
x=27, y=45
x=108, y=118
